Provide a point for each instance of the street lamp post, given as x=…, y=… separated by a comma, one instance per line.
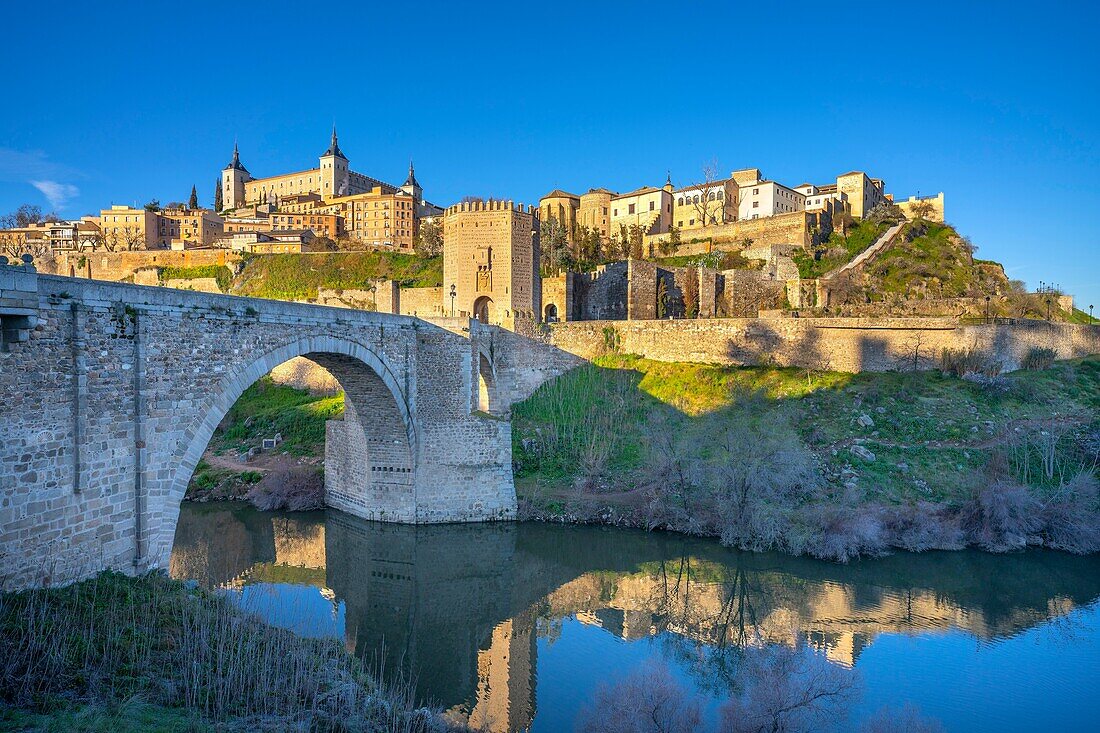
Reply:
x=1048, y=308
x=987, y=309
x=1090, y=315
x=452, y=300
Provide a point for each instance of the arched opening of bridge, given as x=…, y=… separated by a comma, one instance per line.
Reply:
x=484, y=310
x=303, y=430
x=551, y=313
x=485, y=384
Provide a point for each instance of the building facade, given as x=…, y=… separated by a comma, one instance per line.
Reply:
x=705, y=204
x=594, y=211
x=647, y=207
x=125, y=227
x=562, y=207
x=490, y=262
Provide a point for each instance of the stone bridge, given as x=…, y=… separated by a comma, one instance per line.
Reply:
x=111, y=392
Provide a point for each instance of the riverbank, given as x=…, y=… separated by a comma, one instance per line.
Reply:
x=826, y=464
x=116, y=653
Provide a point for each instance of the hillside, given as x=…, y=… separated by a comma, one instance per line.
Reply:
x=298, y=276
x=829, y=464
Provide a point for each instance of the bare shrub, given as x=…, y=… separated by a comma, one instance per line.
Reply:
x=757, y=474
x=922, y=526
x=1071, y=517
x=959, y=362
x=907, y=719
x=1000, y=516
x=838, y=532
x=784, y=690
x=646, y=701
x=295, y=489
x=1038, y=357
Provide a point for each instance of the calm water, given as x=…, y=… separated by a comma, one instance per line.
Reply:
x=514, y=626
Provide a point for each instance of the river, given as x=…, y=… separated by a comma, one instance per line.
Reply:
x=515, y=627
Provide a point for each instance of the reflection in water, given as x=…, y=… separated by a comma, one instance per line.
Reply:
x=464, y=607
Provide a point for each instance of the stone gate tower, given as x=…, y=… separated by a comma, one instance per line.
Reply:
x=491, y=261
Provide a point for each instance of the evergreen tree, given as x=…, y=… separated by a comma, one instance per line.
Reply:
x=218, y=195
x=193, y=202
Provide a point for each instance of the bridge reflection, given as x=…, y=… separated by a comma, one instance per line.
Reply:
x=463, y=606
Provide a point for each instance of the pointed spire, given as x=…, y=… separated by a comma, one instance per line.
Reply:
x=411, y=180
x=334, y=147
x=235, y=164
x=668, y=181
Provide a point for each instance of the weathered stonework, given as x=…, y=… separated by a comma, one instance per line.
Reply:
x=112, y=396
x=841, y=344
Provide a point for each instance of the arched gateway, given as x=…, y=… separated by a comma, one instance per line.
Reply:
x=111, y=393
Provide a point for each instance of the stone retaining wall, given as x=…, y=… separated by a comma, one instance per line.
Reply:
x=841, y=344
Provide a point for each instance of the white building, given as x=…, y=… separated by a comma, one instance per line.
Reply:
x=818, y=199
x=762, y=198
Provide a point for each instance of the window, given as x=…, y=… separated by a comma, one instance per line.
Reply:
x=756, y=190
x=631, y=211
x=755, y=205
x=651, y=206
x=680, y=201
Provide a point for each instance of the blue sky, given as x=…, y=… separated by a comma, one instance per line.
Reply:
x=996, y=104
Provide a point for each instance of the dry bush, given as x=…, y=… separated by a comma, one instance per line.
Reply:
x=960, y=362
x=1000, y=516
x=922, y=526
x=295, y=489
x=1038, y=357
x=839, y=532
x=1071, y=517
x=785, y=690
x=907, y=719
x=757, y=475
x=647, y=701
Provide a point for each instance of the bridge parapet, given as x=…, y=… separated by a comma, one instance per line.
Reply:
x=18, y=301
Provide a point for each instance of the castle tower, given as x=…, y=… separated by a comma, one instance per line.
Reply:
x=412, y=187
x=334, y=170
x=234, y=176
x=668, y=182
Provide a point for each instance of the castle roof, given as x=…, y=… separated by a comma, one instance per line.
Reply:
x=637, y=192
x=602, y=190
x=411, y=180
x=557, y=193
x=235, y=164
x=334, y=147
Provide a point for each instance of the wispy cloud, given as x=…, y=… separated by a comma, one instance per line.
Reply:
x=35, y=167
x=58, y=194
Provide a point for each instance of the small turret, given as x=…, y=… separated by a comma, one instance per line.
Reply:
x=668, y=182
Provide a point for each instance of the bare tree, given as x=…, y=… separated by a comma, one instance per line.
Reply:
x=647, y=701
x=707, y=197
x=907, y=719
x=787, y=690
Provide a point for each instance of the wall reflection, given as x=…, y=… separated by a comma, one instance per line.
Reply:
x=462, y=606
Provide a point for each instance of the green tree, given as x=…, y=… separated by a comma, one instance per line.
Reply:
x=554, y=242
x=193, y=202
x=662, y=298
x=635, y=245
x=691, y=293
x=153, y=205
x=218, y=195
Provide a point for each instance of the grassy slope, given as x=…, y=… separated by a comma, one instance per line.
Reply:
x=116, y=653
x=839, y=250
x=297, y=277
x=931, y=436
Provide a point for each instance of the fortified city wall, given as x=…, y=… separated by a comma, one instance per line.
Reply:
x=841, y=344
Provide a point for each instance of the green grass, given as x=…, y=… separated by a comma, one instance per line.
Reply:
x=128, y=716
x=218, y=272
x=927, y=432
x=298, y=276
x=267, y=408
x=838, y=250
x=727, y=261
x=1082, y=318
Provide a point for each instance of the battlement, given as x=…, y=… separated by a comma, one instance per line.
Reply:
x=492, y=205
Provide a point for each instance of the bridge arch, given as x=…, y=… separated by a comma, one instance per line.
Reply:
x=374, y=456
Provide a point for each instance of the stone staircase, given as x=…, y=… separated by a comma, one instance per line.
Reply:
x=880, y=244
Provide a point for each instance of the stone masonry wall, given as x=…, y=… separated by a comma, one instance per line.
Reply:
x=841, y=344
x=111, y=399
x=117, y=266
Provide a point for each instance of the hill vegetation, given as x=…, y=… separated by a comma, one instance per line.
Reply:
x=298, y=276
x=829, y=464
